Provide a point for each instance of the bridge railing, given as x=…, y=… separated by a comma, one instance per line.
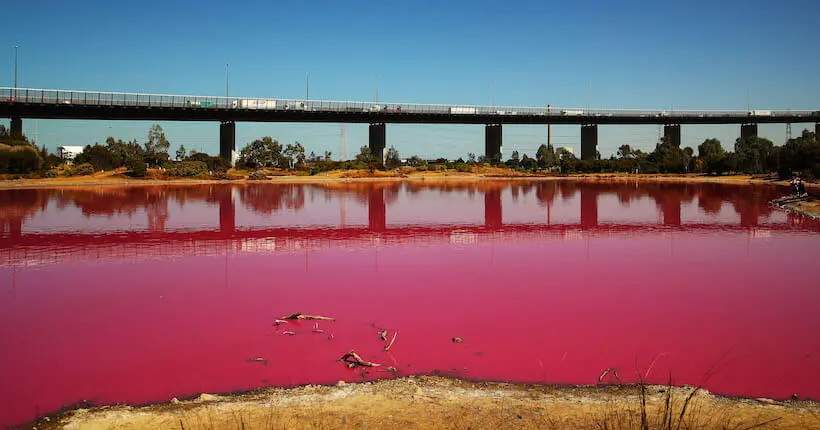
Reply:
x=127, y=100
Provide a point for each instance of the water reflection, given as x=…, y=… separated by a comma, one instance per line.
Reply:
x=147, y=293
x=65, y=221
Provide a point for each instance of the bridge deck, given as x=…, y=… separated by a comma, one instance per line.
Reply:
x=93, y=105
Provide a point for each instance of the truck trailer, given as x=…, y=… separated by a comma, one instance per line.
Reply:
x=255, y=104
x=462, y=110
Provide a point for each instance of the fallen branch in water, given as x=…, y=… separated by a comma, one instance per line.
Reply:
x=383, y=335
x=262, y=360
x=387, y=348
x=606, y=371
x=352, y=360
x=301, y=316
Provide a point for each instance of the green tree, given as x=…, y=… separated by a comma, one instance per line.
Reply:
x=365, y=156
x=713, y=156
x=514, y=161
x=528, y=163
x=754, y=154
x=264, y=152
x=157, y=146
x=98, y=156
x=545, y=156
x=625, y=151
x=181, y=153
x=392, y=159
x=327, y=156
x=295, y=154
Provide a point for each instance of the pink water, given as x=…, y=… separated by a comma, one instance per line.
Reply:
x=142, y=294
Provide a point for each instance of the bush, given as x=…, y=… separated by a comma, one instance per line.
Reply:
x=464, y=168
x=215, y=164
x=80, y=170
x=137, y=167
x=257, y=176
x=19, y=159
x=188, y=169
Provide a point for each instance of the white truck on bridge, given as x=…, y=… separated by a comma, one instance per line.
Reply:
x=460, y=110
x=255, y=104
x=760, y=113
x=571, y=112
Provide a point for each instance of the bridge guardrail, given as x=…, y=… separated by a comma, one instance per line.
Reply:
x=98, y=98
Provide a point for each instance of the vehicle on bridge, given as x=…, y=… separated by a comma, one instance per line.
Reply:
x=462, y=110
x=296, y=105
x=571, y=112
x=199, y=103
x=254, y=104
x=760, y=113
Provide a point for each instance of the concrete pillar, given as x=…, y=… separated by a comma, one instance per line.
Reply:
x=492, y=142
x=378, y=140
x=817, y=130
x=493, y=217
x=589, y=141
x=227, y=141
x=16, y=128
x=227, y=211
x=672, y=134
x=376, y=210
x=748, y=131
x=589, y=207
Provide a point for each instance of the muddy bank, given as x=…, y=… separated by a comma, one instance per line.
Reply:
x=436, y=402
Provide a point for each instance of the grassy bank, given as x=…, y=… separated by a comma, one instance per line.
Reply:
x=118, y=178
x=435, y=402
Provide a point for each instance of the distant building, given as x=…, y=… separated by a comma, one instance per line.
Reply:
x=67, y=153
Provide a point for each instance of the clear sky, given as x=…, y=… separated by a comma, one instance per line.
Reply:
x=717, y=54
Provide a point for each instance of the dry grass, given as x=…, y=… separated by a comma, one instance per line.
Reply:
x=434, y=402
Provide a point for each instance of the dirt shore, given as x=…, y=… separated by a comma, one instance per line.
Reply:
x=117, y=179
x=436, y=402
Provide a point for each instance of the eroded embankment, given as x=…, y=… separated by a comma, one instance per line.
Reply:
x=435, y=402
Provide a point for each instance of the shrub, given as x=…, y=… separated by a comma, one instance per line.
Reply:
x=136, y=166
x=215, y=164
x=188, y=169
x=464, y=168
x=80, y=170
x=19, y=159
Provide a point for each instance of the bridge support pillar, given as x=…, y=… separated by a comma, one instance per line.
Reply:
x=748, y=131
x=672, y=134
x=589, y=141
x=227, y=141
x=16, y=127
x=492, y=143
x=378, y=140
x=817, y=130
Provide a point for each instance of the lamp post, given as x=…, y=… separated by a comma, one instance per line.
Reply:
x=227, y=81
x=16, y=48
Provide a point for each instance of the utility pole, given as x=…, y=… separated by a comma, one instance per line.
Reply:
x=16, y=48
x=343, y=144
x=307, y=86
x=493, y=94
x=227, y=81
x=377, y=87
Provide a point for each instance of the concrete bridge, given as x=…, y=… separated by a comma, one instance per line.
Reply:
x=20, y=103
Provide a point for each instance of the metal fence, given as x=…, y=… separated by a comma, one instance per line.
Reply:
x=97, y=98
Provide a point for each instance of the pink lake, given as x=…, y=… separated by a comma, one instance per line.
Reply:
x=141, y=294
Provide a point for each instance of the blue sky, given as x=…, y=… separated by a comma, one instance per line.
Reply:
x=624, y=54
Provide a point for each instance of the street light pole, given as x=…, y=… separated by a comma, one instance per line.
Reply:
x=16, y=48
x=227, y=81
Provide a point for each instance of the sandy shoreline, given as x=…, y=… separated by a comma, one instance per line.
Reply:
x=437, y=402
x=121, y=180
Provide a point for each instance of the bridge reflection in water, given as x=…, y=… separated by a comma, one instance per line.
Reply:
x=41, y=226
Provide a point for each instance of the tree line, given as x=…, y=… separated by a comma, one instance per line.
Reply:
x=753, y=155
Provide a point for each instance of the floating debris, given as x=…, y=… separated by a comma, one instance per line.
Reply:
x=279, y=322
x=391, y=369
x=353, y=360
x=262, y=360
x=387, y=348
x=457, y=340
x=383, y=335
x=289, y=333
x=301, y=316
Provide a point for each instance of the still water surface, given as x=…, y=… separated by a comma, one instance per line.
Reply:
x=142, y=294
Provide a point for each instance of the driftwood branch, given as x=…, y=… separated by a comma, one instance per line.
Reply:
x=387, y=348
x=301, y=316
x=353, y=360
